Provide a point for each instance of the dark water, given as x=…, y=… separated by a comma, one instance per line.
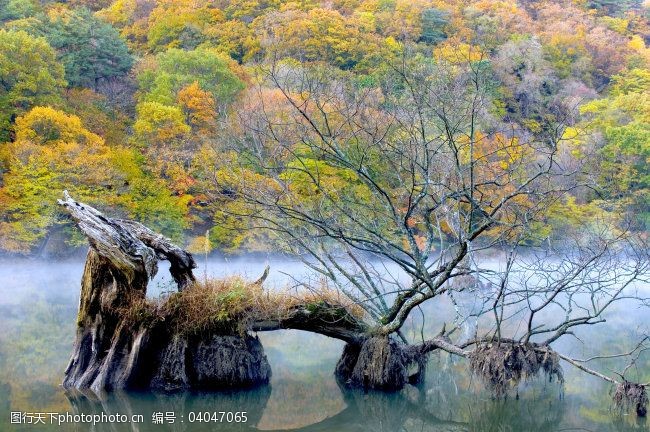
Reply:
x=38, y=303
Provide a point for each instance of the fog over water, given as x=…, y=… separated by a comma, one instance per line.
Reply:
x=38, y=305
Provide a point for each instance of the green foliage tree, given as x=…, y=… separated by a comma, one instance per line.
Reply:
x=615, y=7
x=433, y=23
x=145, y=197
x=52, y=151
x=175, y=69
x=620, y=122
x=29, y=75
x=234, y=38
x=179, y=24
x=160, y=123
x=16, y=9
x=181, y=90
x=90, y=49
x=317, y=35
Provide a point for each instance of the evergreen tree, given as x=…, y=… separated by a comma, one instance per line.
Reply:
x=90, y=49
x=433, y=23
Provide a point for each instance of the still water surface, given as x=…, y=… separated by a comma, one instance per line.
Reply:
x=38, y=304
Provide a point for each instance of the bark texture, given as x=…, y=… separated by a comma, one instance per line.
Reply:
x=111, y=353
x=380, y=363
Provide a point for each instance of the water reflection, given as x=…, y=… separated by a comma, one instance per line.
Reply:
x=362, y=412
x=37, y=315
x=407, y=411
x=178, y=412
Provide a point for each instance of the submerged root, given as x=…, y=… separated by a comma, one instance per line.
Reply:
x=631, y=395
x=502, y=366
x=379, y=363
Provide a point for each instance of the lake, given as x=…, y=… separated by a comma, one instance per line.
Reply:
x=38, y=305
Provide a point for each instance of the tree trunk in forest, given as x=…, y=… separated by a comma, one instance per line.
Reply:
x=110, y=353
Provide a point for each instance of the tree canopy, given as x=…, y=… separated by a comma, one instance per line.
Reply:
x=30, y=75
x=89, y=49
x=167, y=85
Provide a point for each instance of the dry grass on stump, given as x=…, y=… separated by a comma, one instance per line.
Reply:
x=230, y=305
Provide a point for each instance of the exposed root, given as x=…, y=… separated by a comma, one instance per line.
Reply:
x=380, y=363
x=631, y=395
x=503, y=366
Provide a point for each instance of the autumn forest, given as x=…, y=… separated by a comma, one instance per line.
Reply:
x=165, y=111
x=375, y=214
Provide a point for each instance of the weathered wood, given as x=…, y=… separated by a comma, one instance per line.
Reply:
x=331, y=321
x=181, y=262
x=118, y=267
x=112, y=240
x=102, y=345
x=111, y=352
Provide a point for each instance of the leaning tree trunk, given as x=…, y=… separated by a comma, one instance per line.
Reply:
x=110, y=353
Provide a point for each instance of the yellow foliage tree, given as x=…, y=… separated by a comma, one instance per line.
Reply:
x=52, y=152
x=198, y=106
x=455, y=52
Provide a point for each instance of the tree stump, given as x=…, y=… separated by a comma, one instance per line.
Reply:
x=378, y=363
x=112, y=353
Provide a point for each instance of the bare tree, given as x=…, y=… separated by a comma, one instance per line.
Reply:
x=395, y=191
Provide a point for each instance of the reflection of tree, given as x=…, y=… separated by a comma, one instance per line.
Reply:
x=295, y=403
x=435, y=408
x=34, y=348
x=455, y=394
x=253, y=402
x=538, y=414
x=381, y=411
x=377, y=411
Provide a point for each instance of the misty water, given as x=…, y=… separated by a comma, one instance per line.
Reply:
x=38, y=305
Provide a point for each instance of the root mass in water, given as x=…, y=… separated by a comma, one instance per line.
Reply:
x=502, y=366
